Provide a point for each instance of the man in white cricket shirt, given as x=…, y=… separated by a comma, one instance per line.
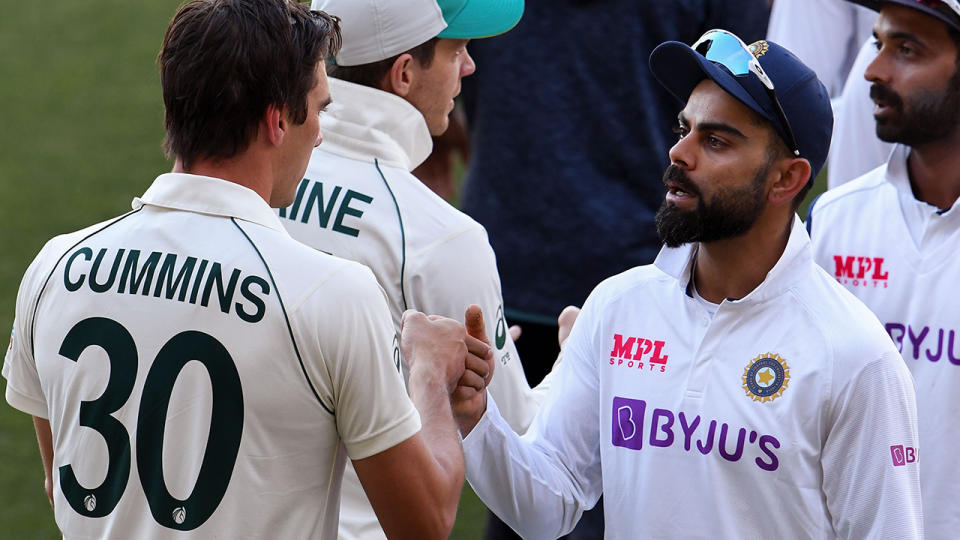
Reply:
x=732, y=389
x=892, y=236
x=393, y=84
x=194, y=372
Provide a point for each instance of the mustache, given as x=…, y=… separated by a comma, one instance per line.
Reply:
x=879, y=92
x=675, y=175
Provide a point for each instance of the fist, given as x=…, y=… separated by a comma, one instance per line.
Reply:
x=434, y=345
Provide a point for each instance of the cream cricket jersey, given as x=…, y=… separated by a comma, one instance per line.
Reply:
x=789, y=414
x=359, y=201
x=901, y=257
x=205, y=375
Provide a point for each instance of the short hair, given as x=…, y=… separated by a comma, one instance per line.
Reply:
x=223, y=62
x=372, y=74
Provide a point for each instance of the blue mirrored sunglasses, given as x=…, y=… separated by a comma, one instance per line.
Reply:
x=730, y=51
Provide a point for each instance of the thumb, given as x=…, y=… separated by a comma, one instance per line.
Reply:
x=473, y=321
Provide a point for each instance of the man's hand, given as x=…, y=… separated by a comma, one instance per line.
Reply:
x=566, y=319
x=469, y=399
x=434, y=346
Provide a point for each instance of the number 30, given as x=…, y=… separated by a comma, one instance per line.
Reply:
x=223, y=441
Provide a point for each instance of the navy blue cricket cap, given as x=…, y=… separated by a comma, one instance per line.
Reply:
x=803, y=97
x=945, y=11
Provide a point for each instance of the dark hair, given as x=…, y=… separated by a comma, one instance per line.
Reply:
x=223, y=62
x=372, y=74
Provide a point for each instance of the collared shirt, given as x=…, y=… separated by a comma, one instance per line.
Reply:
x=359, y=201
x=900, y=256
x=217, y=371
x=746, y=425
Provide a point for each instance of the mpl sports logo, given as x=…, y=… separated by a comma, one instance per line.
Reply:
x=860, y=271
x=638, y=353
x=902, y=455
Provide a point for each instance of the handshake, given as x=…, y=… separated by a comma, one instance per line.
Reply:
x=459, y=356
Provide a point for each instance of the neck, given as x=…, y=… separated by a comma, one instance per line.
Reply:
x=245, y=172
x=734, y=267
x=934, y=171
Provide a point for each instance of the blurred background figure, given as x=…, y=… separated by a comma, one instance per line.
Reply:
x=569, y=135
x=834, y=38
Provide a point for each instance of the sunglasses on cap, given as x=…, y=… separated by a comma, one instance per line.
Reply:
x=730, y=51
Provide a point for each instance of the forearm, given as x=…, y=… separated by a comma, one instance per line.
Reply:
x=45, y=442
x=524, y=485
x=444, y=480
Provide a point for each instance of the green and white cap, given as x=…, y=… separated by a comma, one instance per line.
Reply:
x=375, y=30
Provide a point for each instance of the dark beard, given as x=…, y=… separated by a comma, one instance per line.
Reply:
x=931, y=115
x=729, y=213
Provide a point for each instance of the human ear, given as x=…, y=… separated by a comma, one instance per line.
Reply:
x=274, y=124
x=794, y=174
x=399, y=80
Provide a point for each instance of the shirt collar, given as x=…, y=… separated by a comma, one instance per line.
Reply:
x=364, y=123
x=794, y=263
x=207, y=195
x=897, y=173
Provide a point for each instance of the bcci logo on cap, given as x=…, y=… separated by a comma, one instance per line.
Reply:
x=759, y=48
x=766, y=377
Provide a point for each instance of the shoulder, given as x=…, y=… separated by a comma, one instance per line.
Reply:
x=850, y=333
x=857, y=192
x=625, y=285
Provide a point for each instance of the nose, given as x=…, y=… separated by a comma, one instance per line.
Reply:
x=468, y=66
x=681, y=153
x=877, y=70
x=319, y=139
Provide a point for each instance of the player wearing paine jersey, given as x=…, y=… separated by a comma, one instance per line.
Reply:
x=194, y=372
x=393, y=84
x=732, y=389
x=892, y=236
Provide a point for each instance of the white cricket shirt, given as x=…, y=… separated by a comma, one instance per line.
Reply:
x=901, y=256
x=205, y=375
x=359, y=201
x=789, y=414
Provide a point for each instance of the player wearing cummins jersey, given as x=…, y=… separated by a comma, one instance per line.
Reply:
x=732, y=389
x=892, y=236
x=193, y=371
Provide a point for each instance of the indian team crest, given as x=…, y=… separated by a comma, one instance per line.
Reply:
x=759, y=48
x=766, y=377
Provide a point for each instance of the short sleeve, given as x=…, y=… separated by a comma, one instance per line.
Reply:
x=353, y=347
x=24, y=390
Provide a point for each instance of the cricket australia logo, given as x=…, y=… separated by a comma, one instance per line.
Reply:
x=501, y=331
x=766, y=377
x=396, y=351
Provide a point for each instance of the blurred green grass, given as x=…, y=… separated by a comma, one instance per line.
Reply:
x=81, y=135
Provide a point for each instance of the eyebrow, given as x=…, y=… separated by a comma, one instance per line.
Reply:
x=908, y=36
x=714, y=126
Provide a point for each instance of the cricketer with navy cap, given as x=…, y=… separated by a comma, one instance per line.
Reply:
x=731, y=389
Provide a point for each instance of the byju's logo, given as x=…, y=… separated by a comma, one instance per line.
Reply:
x=626, y=432
x=902, y=455
x=635, y=424
x=636, y=352
x=860, y=271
